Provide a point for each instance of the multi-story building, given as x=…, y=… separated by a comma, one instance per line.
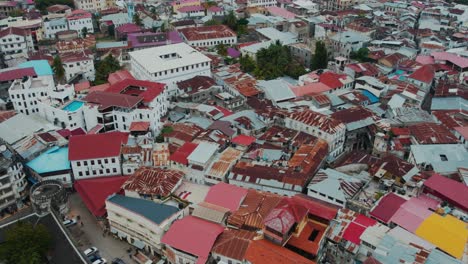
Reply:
x=96, y=155
x=321, y=126
x=78, y=64
x=90, y=5
x=62, y=109
x=261, y=3
x=208, y=36
x=79, y=19
x=12, y=181
x=169, y=64
x=184, y=3
x=343, y=43
x=335, y=5
x=15, y=43
x=26, y=93
x=125, y=102
x=52, y=26
x=140, y=222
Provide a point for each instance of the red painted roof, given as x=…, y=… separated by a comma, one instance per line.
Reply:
x=243, y=140
x=128, y=28
x=387, y=207
x=139, y=126
x=181, y=155
x=207, y=32
x=13, y=31
x=455, y=191
x=424, y=74
x=286, y=213
x=193, y=235
x=79, y=14
x=331, y=79
x=10, y=75
x=110, y=99
x=82, y=86
x=96, y=146
x=226, y=195
x=94, y=192
x=317, y=207
x=355, y=229
x=146, y=89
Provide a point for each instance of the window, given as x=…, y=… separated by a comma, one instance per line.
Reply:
x=85, y=163
x=78, y=163
x=113, y=160
x=114, y=170
x=80, y=173
x=92, y=162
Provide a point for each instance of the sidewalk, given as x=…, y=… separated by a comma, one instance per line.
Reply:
x=91, y=234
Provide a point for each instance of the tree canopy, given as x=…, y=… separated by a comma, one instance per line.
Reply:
x=108, y=65
x=25, y=244
x=84, y=32
x=59, y=71
x=361, y=55
x=238, y=25
x=273, y=62
x=320, y=58
x=137, y=20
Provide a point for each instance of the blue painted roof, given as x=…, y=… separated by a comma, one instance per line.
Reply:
x=154, y=212
x=54, y=159
x=41, y=67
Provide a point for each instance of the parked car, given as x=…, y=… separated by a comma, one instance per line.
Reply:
x=90, y=251
x=94, y=257
x=100, y=261
x=69, y=222
x=118, y=261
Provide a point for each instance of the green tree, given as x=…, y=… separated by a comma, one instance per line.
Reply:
x=247, y=63
x=16, y=12
x=25, y=244
x=42, y=5
x=84, y=32
x=222, y=49
x=59, y=71
x=320, y=58
x=108, y=65
x=211, y=22
x=231, y=20
x=137, y=20
x=361, y=55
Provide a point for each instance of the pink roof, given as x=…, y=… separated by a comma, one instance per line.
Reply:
x=186, y=9
x=461, y=62
x=79, y=14
x=181, y=155
x=286, y=213
x=387, y=207
x=193, y=235
x=96, y=146
x=425, y=59
x=215, y=9
x=243, y=140
x=278, y=11
x=223, y=110
x=443, y=187
x=147, y=90
x=355, y=229
x=94, y=192
x=317, y=207
x=463, y=131
x=128, y=28
x=10, y=75
x=82, y=86
x=119, y=76
x=309, y=89
x=413, y=212
x=226, y=195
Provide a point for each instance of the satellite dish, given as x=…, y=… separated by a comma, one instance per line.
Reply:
x=3, y=148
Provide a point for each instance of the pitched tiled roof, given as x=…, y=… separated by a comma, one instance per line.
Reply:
x=323, y=122
x=147, y=90
x=233, y=243
x=13, y=31
x=108, y=99
x=10, y=75
x=207, y=32
x=424, y=74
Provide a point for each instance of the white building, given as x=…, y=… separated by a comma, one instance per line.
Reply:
x=15, y=43
x=208, y=36
x=90, y=5
x=261, y=3
x=62, y=109
x=12, y=179
x=96, y=155
x=78, y=63
x=51, y=26
x=79, y=19
x=169, y=64
x=140, y=222
x=321, y=126
x=125, y=102
x=344, y=42
x=199, y=160
x=25, y=94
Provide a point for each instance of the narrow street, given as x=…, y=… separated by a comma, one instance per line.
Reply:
x=91, y=233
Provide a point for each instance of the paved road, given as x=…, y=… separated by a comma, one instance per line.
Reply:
x=20, y=214
x=91, y=233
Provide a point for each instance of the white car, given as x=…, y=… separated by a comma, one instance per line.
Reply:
x=69, y=222
x=100, y=261
x=90, y=251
